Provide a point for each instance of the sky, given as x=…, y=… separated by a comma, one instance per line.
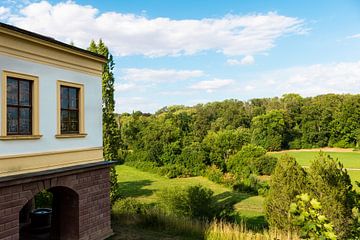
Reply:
x=185, y=52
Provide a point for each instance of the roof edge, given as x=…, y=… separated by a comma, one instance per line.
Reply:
x=51, y=40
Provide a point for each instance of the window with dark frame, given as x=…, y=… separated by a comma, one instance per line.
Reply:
x=69, y=102
x=19, y=106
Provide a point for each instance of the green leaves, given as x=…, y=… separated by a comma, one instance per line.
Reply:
x=111, y=136
x=306, y=215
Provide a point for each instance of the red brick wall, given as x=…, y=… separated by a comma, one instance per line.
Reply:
x=92, y=187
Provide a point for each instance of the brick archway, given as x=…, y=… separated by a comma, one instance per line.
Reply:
x=88, y=187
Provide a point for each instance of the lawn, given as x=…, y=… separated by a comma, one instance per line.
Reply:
x=349, y=159
x=144, y=186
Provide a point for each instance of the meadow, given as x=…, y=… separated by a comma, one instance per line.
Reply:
x=144, y=187
x=350, y=160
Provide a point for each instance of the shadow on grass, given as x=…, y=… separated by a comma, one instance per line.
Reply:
x=255, y=223
x=135, y=188
x=230, y=198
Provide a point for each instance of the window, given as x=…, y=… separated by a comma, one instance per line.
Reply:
x=20, y=106
x=71, y=110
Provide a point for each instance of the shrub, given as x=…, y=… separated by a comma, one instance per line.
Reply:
x=174, y=170
x=306, y=214
x=43, y=199
x=331, y=185
x=243, y=162
x=128, y=206
x=214, y=174
x=264, y=165
x=288, y=181
x=194, y=201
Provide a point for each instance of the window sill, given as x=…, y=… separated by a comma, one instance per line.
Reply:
x=20, y=137
x=76, y=135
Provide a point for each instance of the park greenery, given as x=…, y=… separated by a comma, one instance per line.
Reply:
x=220, y=156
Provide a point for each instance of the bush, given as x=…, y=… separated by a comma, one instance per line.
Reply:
x=243, y=162
x=331, y=185
x=306, y=214
x=264, y=165
x=174, y=170
x=194, y=201
x=43, y=199
x=128, y=206
x=288, y=181
x=214, y=174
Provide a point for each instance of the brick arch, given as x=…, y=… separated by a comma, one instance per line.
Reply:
x=90, y=185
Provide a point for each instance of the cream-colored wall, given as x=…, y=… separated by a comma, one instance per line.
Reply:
x=48, y=143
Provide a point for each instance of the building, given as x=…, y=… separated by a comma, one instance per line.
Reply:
x=51, y=137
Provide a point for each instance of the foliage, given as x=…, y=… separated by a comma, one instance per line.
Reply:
x=43, y=199
x=306, y=214
x=268, y=130
x=111, y=137
x=246, y=161
x=194, y=138
x=193, y=201
x=128, y=206
x=331, y=185
x=287, y=181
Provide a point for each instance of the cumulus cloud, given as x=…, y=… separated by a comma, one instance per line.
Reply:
x=130, y=34
x=158, y=75
x=212, y=85
x=342, y=77
x=247, y=60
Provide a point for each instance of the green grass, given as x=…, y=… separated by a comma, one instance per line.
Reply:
x=144, y=186
x=349, y=159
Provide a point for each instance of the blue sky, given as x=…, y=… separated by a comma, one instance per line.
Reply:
x=188, y=52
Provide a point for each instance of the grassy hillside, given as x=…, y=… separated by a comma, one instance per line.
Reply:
x=144, y=186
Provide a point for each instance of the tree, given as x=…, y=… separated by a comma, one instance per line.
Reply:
x=268, y=130
x=331, y=185
x=288, y=181
x=110, y=128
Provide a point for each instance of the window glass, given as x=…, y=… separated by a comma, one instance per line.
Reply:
x=69, y=115
x=19, y=106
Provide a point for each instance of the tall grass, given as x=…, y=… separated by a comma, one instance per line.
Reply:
x=219, y=230
x=143, y=216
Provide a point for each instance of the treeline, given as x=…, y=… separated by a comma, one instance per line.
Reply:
x=222, y=128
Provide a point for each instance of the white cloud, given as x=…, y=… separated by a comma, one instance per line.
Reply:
x=131, y=104
x=124, y=87
x=354, y=36
x=4, y=12
x=158, y=75
x=247, y=60
x=212, y=85
x=129, y=34
x=342, y=77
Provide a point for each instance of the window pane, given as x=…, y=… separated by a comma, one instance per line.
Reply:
x=12, y=120
x=24, y=94
x=74, y=127
x=74, y=116
x=12, y=91
x=64, y=95
x=64, y=120
x=73, y=98
x=25, y=121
